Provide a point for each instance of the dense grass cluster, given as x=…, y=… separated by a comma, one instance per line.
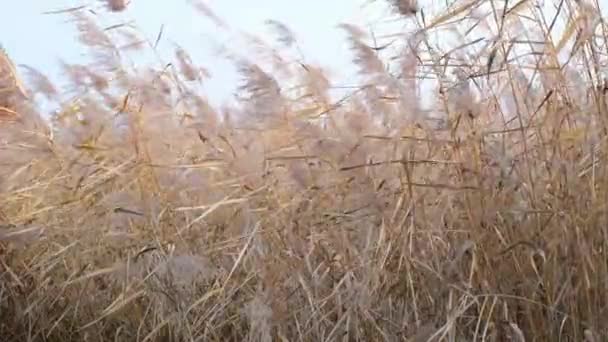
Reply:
x=304, y=212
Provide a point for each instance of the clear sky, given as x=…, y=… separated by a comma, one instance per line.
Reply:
x=37, y=39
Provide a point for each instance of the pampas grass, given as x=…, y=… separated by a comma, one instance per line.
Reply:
x=138, y=212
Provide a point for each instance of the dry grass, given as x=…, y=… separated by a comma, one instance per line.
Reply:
x=141, y=213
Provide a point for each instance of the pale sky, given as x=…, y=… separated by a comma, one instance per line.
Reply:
x=39, y=40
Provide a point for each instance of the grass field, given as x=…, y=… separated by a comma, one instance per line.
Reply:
x=304, y=212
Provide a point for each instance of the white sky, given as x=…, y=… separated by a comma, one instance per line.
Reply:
x=39, y=40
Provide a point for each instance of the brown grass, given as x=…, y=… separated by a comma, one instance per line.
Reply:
x=141, y=213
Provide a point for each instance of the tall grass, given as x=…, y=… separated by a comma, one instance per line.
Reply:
x=138, y=212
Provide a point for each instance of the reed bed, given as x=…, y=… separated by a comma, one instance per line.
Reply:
x=306, y=211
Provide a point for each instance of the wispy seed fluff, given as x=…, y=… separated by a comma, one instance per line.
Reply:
x=405, y=7
x=116, y=5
